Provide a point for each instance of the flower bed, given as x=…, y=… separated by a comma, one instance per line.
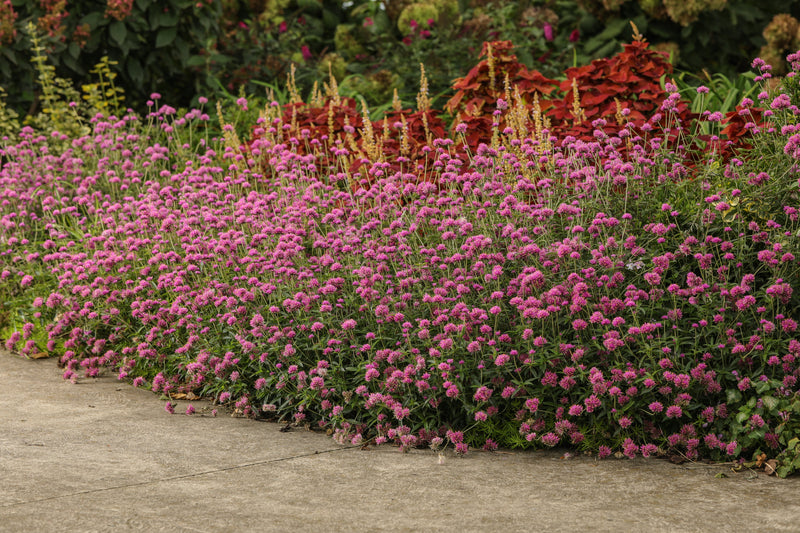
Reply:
x=621, y=291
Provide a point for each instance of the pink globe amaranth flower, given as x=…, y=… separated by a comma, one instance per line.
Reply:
x=603, y=452
x=730, y=449
x=574, y=36
x=532, y=404
x=757, y=421
x=455, y=436
x=674, y=411
x=782, y=101
x=592, y=403
x=550, y=439
x=629, y=448
x=656, y=407
x=168, y=407
x=648, y=449
x=482, y=394
x=190, y=409
x=306, y=52
x=652, y=278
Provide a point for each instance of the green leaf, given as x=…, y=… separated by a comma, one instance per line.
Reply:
x=166, y=36
x=734, y=396
x=153, y=17
x=94, y=19
x=196, y=61
x=134, y=68
x=770, y=402
x=762, y=386
x=118, y=32
x=9, y=54
x=74, y=50
x=330, y=20
x=613, y=29
x=310, y=6
x=607, y=49
x=71, y=63
x=741, y=417
x=168, y=19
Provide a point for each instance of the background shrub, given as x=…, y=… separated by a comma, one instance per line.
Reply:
x=185, y=48
x=154, y=43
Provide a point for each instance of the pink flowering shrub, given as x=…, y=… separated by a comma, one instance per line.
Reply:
x=534, y=292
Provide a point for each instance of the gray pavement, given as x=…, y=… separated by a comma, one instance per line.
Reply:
x=101, y=455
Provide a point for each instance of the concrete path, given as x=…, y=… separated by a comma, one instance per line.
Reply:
x=103, y=456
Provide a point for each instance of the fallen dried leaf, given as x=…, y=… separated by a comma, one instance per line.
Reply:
x=39, y=355
x=770, y=467
x=760, y=460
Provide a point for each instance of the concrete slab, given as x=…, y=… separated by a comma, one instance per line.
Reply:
x=104, y=456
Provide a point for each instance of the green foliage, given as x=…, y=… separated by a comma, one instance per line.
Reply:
x=105, y=96
x=9, y=119
x=58, y=97
x=715, y=35
x=724, y=92
x=153, y=44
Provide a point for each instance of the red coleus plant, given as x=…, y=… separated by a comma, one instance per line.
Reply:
x=630, y=80
x=609, y=94
x=478, y=91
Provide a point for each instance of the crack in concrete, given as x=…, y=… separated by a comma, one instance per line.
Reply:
x=174, y=478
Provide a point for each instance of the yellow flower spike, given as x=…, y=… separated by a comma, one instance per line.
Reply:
x=490, y=63
x=367, y=133
x=397, y=104
x=291, y=86
x=577, y=111
x=423, y=103
x=537, y=118
x=405, y=147
x=316, y=96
